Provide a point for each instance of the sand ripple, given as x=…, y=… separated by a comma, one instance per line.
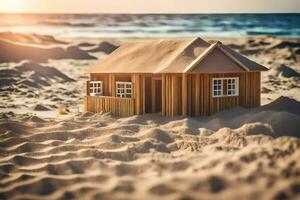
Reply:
x=148, y=157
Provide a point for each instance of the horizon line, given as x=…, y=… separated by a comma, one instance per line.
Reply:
x=147, y=13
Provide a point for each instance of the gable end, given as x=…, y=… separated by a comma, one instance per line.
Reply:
x=217, y=61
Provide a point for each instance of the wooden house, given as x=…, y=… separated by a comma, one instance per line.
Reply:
x=173, y=77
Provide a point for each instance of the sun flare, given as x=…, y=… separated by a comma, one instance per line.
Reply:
x=13, y=6
x=154, y=6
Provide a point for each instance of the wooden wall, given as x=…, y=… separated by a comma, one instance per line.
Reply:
x=198, y=100
x=184, y=94
x=142, y=98
x=123, y=107
x=172, y=94
x=199, y=95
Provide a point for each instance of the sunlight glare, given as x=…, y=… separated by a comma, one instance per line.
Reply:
x=13, y=6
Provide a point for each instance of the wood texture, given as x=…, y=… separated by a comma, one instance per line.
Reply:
x=88, y=88
x=118, y=106
x=181, y=94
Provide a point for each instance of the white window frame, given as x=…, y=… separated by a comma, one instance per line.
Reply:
x=96, y=88
x=222, y=87
x=213, y=87
x=236, y=86
x=123, y=91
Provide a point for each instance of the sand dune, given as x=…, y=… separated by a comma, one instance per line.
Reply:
x=35, y=87
x=287, y=72
x=99, y=156
x=104, y=47
x=284, y=120
x=286, y=44
x=85, y=44
x=38, y=75
x=30, y=38
x=13, y=52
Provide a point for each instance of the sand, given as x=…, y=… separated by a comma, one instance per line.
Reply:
x=15, y=52
x=235, y=154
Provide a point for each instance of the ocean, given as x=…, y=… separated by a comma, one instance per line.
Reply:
x=153, y=25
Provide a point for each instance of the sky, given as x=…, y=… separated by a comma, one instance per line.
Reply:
x=150, y=6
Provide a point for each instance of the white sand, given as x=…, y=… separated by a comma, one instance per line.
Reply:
x=146, y=157
x=235, y=154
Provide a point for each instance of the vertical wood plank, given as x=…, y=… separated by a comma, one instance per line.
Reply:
x=88, y=88
x=197, y=95
x=184, y=94
x=174, y=95
x=144, y=94
x=153, y=95
x=163, y=104
x=112, y=85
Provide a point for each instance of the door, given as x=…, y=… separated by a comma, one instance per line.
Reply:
x=148, y=95
x=153, y=95
x=156, y=95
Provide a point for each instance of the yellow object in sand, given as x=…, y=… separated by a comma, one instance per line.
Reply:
x=62, y=111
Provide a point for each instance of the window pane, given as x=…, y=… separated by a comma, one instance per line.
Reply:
x=217, y=87
x=124, y=89
x=95, y=87
x=231, y=87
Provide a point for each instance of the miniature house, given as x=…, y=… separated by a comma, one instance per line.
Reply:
x=173, y=77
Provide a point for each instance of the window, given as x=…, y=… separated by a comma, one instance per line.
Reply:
x=230, y=84
x=123, y=89
x=217, y=87
x=96, y=88
x=232, y=87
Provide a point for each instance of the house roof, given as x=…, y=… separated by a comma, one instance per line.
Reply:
x=175, y=56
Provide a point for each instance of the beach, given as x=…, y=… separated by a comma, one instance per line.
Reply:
x=235, y=154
